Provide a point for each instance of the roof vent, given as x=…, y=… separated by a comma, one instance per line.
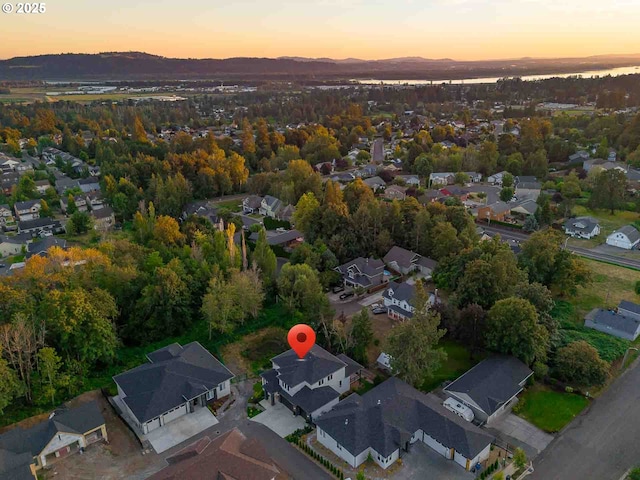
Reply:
x=379, y=402
x=346, y=421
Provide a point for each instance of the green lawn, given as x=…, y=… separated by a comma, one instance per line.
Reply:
x=458, y=361
x=233, y=206
x=608, y=222
x=548, y=410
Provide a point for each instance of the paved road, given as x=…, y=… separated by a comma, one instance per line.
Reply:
x=511, y=235
x=602, y=443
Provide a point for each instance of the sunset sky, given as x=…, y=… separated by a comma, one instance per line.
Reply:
x=370, y=29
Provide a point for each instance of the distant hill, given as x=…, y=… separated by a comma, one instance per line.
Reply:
x=143, y=66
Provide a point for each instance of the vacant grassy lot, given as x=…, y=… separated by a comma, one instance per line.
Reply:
x=458, y=361
x=231, y=205
x=608, y=222
x=548, y=410
x=610, y=284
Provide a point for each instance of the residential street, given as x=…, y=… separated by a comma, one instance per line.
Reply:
x=583, y=252
x=602, y=443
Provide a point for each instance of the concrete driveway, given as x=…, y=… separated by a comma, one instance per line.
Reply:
x=424, y=462
x=181, y=429
x=515, y=430
x=279, y=419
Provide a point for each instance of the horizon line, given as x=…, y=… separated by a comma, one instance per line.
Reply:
x=321, y=59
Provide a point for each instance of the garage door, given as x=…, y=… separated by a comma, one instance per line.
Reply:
x=153, y=424
x=173, y=414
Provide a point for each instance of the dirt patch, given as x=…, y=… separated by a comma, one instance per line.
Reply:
x=120, y=458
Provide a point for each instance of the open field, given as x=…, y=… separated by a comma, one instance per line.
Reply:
x=608, y=222
x=548, y=410
x=610, y=284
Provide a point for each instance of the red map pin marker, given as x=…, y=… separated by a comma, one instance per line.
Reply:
x=301, y=338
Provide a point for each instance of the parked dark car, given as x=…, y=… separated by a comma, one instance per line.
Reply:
x=379, y=310
x=338, y=289
x=346, y=295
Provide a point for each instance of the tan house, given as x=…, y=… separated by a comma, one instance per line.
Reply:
x=25, y=451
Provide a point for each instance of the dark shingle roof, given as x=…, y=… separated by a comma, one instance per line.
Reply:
x=311, y=399
x=316, y=365
x=176, y=374
x=492, y=382
x=352, y=365
x=40, y=247
x=38, y=223
x=363, y=269
x=630, y=306
x=403, y=257
x=26, y=205
x=615, y=321
x=388, y=415
x=581, y=224
x=401, y=291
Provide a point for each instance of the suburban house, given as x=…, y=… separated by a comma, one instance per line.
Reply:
x=362, y=272
x=103, y=219
x=496, y=178
x=251, y=204
x=311, y=386
x=623, y=323
x=7, y=222
x=398, y=299
x=582, y=227
x=497, y=211
x=205, y=210
x=410, y=180
x=579, y=156
x=13, y=245
x=395, y=192
x=491, y=387
x=525, y=207
x=8, y=181
x=40, y=227
x=25, y=451
x=443, y=178
x=375, y=183
x=405, y=261
x=457, y=192
x=228, y=457
x=27, y=210
x=384, y=423
x=626, y=237
x=269, y=206
x=89, y=184
x=41, y=247
x=79, y=200
x=288, y=239
x=41, y=186
x=176, y=381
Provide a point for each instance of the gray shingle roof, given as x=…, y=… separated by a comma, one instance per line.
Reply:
x=630, y=306
x=311, y=400
x=630, y=231
x=388, y=415
x=581, y=224
x=176, y=374
x=32, y=441
x=363, y=268
x=614, y=321
x=26, y=205
x=492, y=382
x=403, y=257
x=352, y=365
x=401, y=291
x=40, y=247
x=38, y=223
x=316, y=365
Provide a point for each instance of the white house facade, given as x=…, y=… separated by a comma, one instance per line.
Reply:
x=626, y=237
x=378, y=424
x=177, y=381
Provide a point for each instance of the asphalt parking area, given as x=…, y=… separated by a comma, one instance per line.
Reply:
x=511, y=426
